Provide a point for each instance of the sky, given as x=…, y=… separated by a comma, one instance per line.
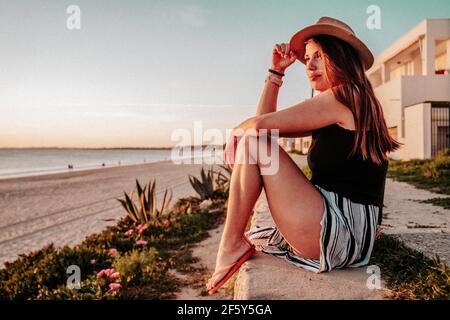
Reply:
x=136, y=71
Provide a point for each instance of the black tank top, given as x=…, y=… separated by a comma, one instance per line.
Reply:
x=359, y=180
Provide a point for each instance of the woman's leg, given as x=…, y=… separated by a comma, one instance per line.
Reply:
x=295, y=204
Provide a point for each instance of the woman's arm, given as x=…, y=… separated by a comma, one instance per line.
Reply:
x=268, y=100
x=298, y=134
x=282, y=58
x=306, y=116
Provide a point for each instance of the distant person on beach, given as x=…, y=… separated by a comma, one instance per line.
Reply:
x=330, y=221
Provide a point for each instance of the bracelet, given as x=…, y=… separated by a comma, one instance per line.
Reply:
x=274, y=79
x=276, y=72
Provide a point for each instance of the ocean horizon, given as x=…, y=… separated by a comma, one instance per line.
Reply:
x=23, y=162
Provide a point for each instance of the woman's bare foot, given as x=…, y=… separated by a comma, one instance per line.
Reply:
x=225, y=257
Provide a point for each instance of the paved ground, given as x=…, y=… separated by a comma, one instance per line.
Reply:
x=423, y=227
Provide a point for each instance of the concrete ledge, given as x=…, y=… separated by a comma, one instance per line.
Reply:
x=266, y=277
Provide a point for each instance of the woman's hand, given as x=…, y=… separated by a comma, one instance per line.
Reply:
x=282, y=57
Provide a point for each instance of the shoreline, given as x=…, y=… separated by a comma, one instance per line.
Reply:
x=55, y=173
x=52, y=172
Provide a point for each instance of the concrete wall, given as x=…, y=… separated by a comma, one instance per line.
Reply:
x=417, y=133
x=389, y=95
x=416, y=89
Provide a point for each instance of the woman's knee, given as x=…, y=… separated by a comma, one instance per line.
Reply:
x=262, y=150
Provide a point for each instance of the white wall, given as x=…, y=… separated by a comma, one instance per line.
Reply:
x=389, y=95
x=417, y=89
x=417, y=133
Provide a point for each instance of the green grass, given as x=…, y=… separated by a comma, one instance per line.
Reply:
x=430, y=174
x=408, y=273
x=442, y=202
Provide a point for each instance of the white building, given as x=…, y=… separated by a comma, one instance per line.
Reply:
x=288, y=144
x=411, y=79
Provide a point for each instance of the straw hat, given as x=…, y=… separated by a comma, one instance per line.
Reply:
x=332, y=27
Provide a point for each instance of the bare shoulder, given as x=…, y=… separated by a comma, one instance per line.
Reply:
x=342, y=113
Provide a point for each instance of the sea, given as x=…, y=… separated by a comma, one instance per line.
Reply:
x=31, y=162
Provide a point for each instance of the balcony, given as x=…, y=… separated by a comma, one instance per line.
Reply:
x=410, y=90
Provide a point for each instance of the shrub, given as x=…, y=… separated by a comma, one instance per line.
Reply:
x=204, y=187
x=186, y=205
x=438, y=167
x=222, y=180
x=32, y=275
x=138, y=267
x=209, y=187
x=146, y=208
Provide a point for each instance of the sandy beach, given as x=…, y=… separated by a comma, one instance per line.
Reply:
x=65, y=208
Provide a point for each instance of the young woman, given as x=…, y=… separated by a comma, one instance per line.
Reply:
x=329, y=221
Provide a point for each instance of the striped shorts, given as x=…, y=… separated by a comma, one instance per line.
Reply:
x=346, y=238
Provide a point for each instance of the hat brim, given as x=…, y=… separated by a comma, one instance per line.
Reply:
x=297, y=42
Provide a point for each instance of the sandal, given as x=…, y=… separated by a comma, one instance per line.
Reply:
x=232, y=268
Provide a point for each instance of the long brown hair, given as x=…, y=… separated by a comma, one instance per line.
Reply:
x=352, y=88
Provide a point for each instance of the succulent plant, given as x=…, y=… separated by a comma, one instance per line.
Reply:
x=223, y=181
x=204, y=187
x=146, y=207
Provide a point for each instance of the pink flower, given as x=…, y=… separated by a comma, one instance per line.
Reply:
x=106, y=272
x=166, y=223
x=101, y=274
x=115, y=275
x=93, y=261
x=129, y=233
x=115, y=286
x=113, y=252
x=141, y=228
x=141, y=243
